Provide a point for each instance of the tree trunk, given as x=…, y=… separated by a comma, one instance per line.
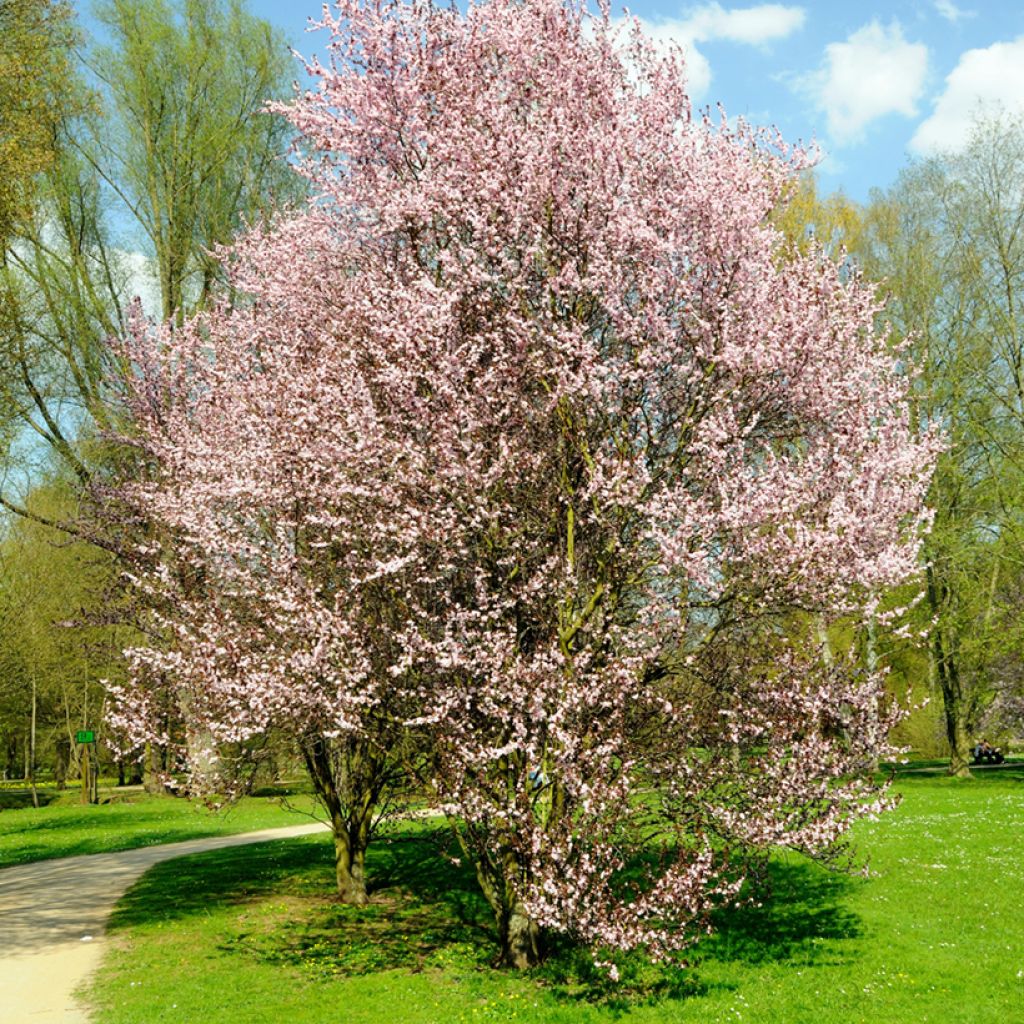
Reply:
x=351, y=829
x=32, y=749
x=949, y=682
x=12, y=757
x=152, y=768
x=520, y=938
x=61, y=762
x=953, y=705
x=350, y=868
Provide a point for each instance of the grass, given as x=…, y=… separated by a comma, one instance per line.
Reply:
x=933, y=935
x=63, y=827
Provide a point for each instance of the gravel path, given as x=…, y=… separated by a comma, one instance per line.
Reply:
x=53, y=914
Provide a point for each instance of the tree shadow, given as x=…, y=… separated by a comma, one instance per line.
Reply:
x=1012, y=769
x=797, y=915
x=191, y=885
x=425, y=912
x=282, y=789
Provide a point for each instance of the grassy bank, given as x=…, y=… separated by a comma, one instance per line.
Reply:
x=63, y=827
x=934, y=935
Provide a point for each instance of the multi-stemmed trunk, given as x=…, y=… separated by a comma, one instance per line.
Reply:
x=351, y=811
x=520, y=938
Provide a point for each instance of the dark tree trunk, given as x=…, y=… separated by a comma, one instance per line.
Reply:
x=61, y=762
x=350, y=868
x=520, y=938
x=953, y=706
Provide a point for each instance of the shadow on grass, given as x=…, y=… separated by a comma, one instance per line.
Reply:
x=427, y=913
x=283, y=789
x=16, y=799
x=1011, y=770
x=196, y=884
x=424, y=913
x=800, y=916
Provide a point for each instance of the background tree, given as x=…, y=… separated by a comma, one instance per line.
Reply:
x=595, y=440
x=175, y=145
x=53, y=651
x=948, y=241
x=184, y=142
x=35, y=43
x=154, y=163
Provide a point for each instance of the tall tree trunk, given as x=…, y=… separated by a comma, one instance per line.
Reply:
x=32, y=748
x=953, y=705
x=948, y=674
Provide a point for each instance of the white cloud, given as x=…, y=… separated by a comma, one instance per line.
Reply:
x=949, y=10
x=751, y=26
x=989, y=80
x=873, y=73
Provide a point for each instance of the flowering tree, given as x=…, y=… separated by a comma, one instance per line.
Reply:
x=261, y=570
x=535, y=438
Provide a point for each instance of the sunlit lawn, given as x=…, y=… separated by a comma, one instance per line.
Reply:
x=935, y=935
x=63, y=827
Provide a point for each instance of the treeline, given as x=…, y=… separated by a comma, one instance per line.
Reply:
x=126, y=161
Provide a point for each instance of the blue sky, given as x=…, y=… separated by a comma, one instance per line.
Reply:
x=874, y=83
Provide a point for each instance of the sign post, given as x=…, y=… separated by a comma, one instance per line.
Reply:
x=90, y=770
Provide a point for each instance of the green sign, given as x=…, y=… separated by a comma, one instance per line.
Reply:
x=85, y=736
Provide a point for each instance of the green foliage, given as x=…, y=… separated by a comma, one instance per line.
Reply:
x=834, y=221
x=947, y=241
x=35, y=42
x=53, y=637
x=173, y=140
x=183, y=141
x=924, y=938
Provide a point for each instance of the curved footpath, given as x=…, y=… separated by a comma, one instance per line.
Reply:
x=53, y=914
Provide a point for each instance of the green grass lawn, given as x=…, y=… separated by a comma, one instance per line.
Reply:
x=63, y=827
x=251, y=935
